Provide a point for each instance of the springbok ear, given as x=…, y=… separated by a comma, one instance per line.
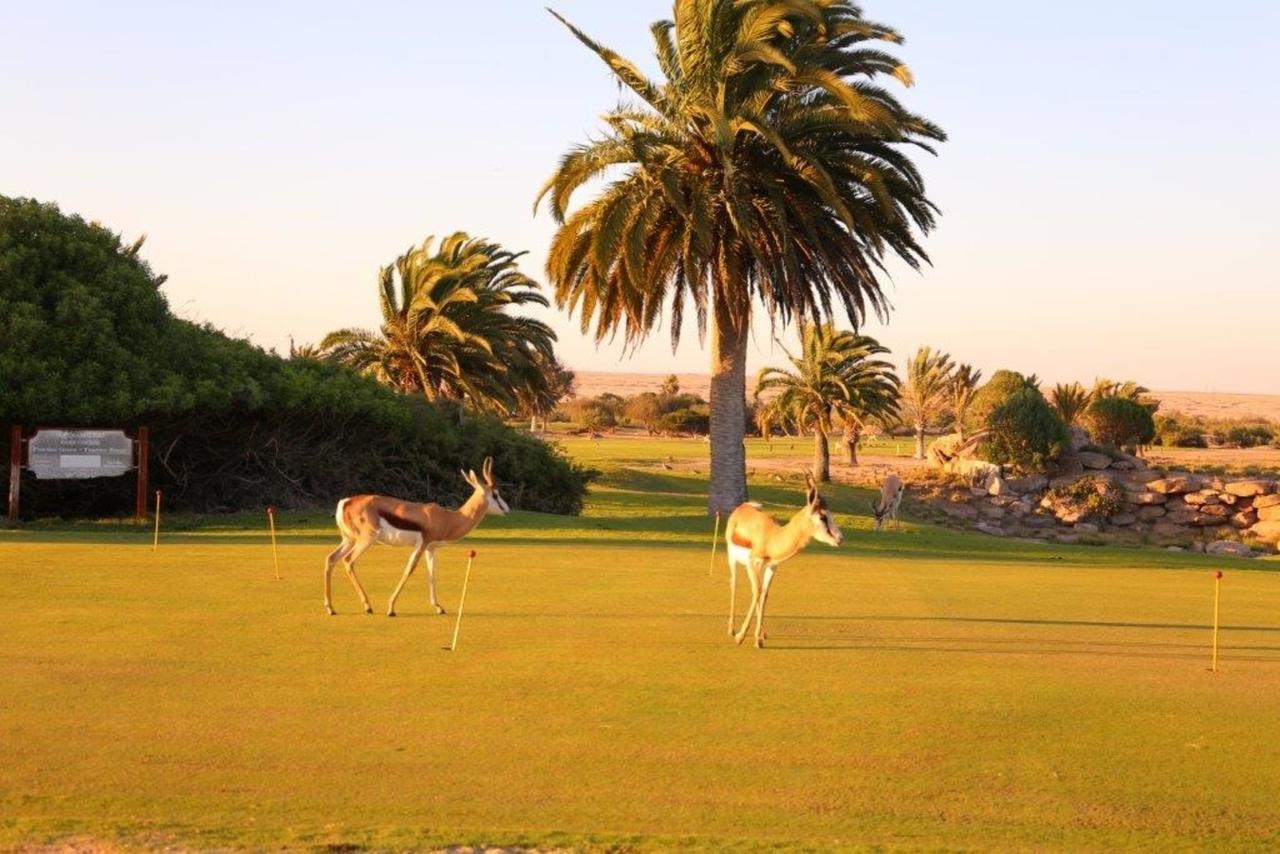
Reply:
x=487, y=469
x=465, y=478
x=472, y=479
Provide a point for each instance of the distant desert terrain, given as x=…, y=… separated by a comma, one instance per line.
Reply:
x=1194, y=403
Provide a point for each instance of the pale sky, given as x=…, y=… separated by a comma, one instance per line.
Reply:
x=1108, y=193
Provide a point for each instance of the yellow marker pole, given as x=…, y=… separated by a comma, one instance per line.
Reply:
x=155, y=541
x=462, y=601
x=715, y=538
x=275, y=554
x=1217, y=589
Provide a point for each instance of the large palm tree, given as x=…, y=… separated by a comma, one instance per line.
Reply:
x=835, y=376
x=1071, y=400
x=447, y=332
x=768, y=166
x=926, y=397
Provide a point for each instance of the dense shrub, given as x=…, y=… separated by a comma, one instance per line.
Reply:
x=1119, y=422
x=685, y=421
x=86, y=339
x=1249, y=435
x=993, y=394
x=1026, y=432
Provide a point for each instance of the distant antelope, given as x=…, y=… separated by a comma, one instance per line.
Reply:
x=754, y=540
x=890, y=497
x=367, y=519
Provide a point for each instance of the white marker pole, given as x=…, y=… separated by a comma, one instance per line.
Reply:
x=457, y=626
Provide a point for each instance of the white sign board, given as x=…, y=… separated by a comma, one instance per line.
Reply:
x=77, y=454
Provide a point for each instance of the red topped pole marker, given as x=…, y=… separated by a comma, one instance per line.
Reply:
x=457, y=626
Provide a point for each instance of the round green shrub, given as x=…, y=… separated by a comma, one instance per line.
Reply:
x=1003, y=385
x=1120, y=422
x=1026, y=432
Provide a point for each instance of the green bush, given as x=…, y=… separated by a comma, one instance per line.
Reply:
x=1026, y=432
x=1250, y=435
x=685, y=421
x=86, y=339
x=993, y=394
x=1120, y=422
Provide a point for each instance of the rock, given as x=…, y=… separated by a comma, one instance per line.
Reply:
x=1072, y=515
x=987, y=511
x=1149, y=514
x=977, y=491
x=1262, y=502
x=960, y=511
x=1145, y=498
x=1268, y=532
x=978, y=471
x=1124, y=520
x=1174, y=485
x=1038, y=522
x=1229, y=499
x=1204, y=496
x=988, y=529
x=1245, y=519
x=1123, y=465
x=1031, y=483
x=1228, y=548
x=1169, y=531
x=1079, y=438
x=1142, y=476
x=1204, y=520
x=1003, y=501
x=1197, y=547
x=1249, y=488
x=1086, y=528
x=1270, y=513
x=998, y=486
x=1222, y=511
x=1093, y=460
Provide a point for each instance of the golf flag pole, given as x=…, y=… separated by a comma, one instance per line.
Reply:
x=155, y=540
x=1217, y=589
x=275, y=554
x=715, y=537
x=462, y=601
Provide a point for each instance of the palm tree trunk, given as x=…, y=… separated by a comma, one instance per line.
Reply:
x=821, y=456
x=851, y=440
x=728, y=486
x=919, y=441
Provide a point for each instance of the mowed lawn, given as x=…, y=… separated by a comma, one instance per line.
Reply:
x=920, y=688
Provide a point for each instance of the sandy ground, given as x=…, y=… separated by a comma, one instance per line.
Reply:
x=1195, y=403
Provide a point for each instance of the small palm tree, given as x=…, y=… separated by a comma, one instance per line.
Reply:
x=538, y=397
x=964, y=385
x=926, y=397
x=1070, y=400
x=1130, y=390
x=834, y=376
x=446, y=328
x=768, y=170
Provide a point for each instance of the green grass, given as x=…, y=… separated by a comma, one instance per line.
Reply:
x=921, y=688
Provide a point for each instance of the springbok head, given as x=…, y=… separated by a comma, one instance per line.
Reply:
x=825, y=529
x=488, y=486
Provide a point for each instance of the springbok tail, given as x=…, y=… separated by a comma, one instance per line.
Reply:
x=340, y=516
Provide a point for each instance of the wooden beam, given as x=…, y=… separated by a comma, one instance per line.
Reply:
x=144, y=453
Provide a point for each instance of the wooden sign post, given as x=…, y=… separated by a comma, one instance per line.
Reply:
x=15, y=471
x=140, y=499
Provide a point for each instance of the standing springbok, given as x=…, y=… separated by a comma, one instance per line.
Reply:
x=367, y=519
x=890, y=497
x=754, y=540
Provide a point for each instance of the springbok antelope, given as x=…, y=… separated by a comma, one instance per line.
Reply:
x=890, y=497
x=754, y=540
x=367, y=519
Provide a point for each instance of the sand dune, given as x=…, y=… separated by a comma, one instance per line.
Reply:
x=1195, y=403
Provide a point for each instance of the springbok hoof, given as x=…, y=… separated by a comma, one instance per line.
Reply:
x=759, y=643
x=329, y=611
x=440, y=610
x=391, y=613
x=738, y=639
x=368, y=609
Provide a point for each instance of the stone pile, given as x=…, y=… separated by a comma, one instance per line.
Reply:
x=1111, y=497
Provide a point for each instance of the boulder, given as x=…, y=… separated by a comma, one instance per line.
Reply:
x=1229, y=499
x=1038, y=521
x=1204, y=496
x=1203, y=520
x=1030, y=483
x=1145, y=498
x=1170, y=531
x=1228, y=548
x=1142, y=476
x=1086, y=528
x=1123, y=520
x=1249, y=488
x=1079, y=437
x=989, y=511
x=1270, y=513
x=1245, y=519
x=989, y=529
x=1222, y=511
x=1174, y=485
x=1071, y=515
x=1123, y=465
x=1268, y=532
x=1093, y=460
x=1264, y=501
x=1151, y=513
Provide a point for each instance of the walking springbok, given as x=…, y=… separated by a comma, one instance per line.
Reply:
x=890, y=497
x=754, y=540
x=367, y=519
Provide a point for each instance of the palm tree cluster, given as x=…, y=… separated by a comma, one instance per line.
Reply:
x=935, y=388
x=834, y=380
x=448, y=331
x=768, y=166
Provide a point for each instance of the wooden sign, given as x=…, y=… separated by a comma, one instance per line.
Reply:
x=79, y=454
